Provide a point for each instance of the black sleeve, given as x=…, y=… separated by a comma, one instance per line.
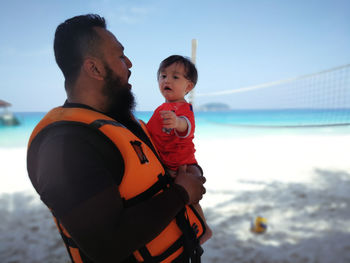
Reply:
x=69, y=171
x=67, y=166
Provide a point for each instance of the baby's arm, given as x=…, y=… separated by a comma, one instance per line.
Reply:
x=171, y=121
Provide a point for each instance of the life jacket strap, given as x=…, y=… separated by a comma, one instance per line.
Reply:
x=148, y=258
x=161, y=184
x=99, y=123
x=68, y=242
x=192, y=248
x=146, y=255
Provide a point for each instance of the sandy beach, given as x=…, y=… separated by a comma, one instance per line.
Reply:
x=299, y=183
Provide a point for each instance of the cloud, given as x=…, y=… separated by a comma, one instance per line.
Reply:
x=134, y=14
x=127, y=19
x=129, y=14
x=141, y=10
x=28, y=53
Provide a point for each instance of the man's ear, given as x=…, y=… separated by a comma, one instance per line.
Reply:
x=94, y=68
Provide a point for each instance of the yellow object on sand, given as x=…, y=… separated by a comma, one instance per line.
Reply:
x=259, y=225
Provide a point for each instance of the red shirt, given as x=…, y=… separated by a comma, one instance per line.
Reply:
x=175, y=149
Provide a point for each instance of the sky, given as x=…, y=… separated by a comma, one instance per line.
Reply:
x=240, y=43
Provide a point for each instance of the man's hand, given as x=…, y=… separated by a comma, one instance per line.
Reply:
x=191, y=179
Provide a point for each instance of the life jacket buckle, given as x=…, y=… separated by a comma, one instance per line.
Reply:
x=137, y=145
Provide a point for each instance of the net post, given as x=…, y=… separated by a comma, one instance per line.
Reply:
x=193, y=58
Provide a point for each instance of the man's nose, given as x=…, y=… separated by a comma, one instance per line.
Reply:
x=128, y=62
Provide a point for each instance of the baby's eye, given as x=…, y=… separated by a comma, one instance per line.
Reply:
x=176, y=77
x=162, y=76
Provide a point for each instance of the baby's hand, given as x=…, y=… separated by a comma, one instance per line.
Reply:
x=170, y=120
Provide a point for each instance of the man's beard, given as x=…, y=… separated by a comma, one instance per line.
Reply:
x=120, y=99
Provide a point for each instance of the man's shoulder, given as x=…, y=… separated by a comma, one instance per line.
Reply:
x=72, y=135
x=65, y=141
x=66, y=128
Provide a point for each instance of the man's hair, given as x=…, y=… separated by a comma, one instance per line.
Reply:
x=190, y=69
x=74, y=39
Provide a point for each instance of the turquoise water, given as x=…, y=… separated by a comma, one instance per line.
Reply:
x=221, y=124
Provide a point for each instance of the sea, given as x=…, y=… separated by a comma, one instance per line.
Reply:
x=221, y=124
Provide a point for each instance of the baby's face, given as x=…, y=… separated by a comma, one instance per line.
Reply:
x=173, y=83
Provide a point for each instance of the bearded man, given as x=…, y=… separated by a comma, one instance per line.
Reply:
x=94, y=166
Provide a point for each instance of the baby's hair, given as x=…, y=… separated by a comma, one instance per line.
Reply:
x=190, y=68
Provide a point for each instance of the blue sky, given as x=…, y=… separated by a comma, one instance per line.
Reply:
x=240, y=43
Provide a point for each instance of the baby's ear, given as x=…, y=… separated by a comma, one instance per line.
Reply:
x=189, y=87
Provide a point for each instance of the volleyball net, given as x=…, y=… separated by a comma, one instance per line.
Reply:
x=327, y=92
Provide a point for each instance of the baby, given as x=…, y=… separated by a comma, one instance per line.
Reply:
x=172, y=124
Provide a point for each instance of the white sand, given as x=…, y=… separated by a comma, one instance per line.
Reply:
x=300, y=184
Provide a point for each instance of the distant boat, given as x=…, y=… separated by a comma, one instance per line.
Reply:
x=214, y=107
x=7, y=118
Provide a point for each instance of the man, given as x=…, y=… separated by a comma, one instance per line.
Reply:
x=96, y=169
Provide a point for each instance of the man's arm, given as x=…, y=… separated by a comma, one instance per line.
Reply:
x=107, y=232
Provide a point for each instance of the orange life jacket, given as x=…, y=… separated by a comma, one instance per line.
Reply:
x=135, y=187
